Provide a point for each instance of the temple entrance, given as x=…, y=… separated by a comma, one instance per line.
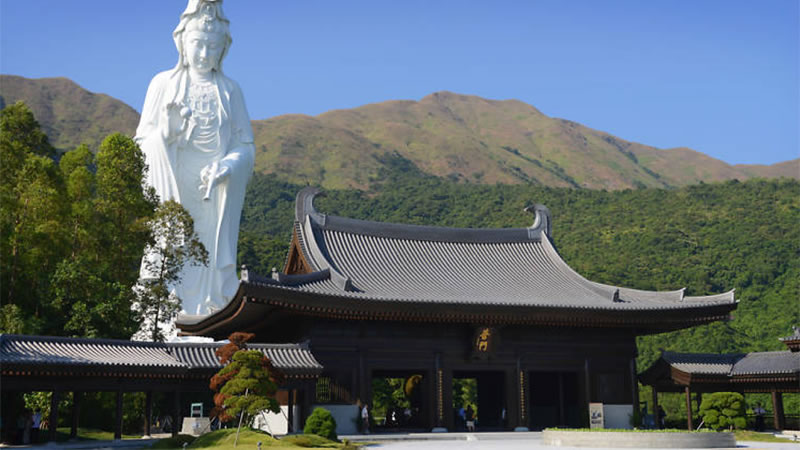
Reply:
x=397, y=400
x=484, y=393
x=554, y=400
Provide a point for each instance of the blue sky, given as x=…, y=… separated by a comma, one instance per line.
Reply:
x=718, y=76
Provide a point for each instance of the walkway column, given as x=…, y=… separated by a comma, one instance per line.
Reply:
x=148, y=412
x=689, y=423
x=562, y=418
x=290, y=406
x=118, y=426
x=176, y=413
x=656, y=419
x=635, y=392
x=76, y=413
x=53, y=423
x=777, y=410
x=363, y=380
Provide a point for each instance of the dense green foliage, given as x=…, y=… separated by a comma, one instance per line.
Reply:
x=722, y=410
x=72, y=232
x=248, y=387
x=321, y=423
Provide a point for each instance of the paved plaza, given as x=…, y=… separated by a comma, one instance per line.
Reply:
x=497, y=441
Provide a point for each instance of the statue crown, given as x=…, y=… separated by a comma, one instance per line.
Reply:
x=206, y=19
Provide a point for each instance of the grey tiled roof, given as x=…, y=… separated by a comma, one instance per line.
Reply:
x=767, y=363
x=408, y=263
x=702, y=363
x=733, y=364
x=48, y=351
x=287, y=357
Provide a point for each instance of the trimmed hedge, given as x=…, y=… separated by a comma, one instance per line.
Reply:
x=321, y=423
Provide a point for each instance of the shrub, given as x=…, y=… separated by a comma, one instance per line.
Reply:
x=321, y=423
x=722, y=410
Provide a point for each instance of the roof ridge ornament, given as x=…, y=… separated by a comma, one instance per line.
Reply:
x=542, y=221
x=304, y=204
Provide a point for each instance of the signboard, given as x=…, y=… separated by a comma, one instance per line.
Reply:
x=596, y=415
x=483, y=342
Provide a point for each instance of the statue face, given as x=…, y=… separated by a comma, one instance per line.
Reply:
x=203, y=50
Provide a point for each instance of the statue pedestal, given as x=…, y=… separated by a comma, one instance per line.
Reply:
x=196, y=426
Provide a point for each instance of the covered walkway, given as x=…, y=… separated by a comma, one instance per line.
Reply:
x=62, y=365
x=773, y=373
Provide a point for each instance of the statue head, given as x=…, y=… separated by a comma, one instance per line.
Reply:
x=203, y=20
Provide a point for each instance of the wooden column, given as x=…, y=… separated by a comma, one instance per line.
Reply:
x=148, y=412
x=438, y=390
x=176, y=413
x=290, y=406
x=777, y=410
x=587, y=381
x=76, y=414
x=562, y=418
x=53, y=423
x=511, y=402
x=118, y=426
x=689, y=423
x=656, y=419
x=699, y=399
x=635, y=392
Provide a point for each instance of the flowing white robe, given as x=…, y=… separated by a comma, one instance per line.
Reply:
x=174, y=172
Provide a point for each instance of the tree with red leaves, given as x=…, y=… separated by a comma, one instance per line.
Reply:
x=247, y=383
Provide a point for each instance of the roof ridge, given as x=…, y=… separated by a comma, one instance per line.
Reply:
x=71, y=339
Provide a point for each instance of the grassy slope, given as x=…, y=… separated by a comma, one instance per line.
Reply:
x=69, y=114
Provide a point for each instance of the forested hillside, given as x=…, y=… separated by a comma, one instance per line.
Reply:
x=708, y=238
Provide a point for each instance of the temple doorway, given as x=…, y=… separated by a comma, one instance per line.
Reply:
x=554, y=400
x=484, y=393
x=398, y=400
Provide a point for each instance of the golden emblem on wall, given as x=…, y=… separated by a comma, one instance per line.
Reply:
x=483, y=340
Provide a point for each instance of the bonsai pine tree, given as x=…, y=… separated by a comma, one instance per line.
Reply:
x=247, y=384
x=722, y=410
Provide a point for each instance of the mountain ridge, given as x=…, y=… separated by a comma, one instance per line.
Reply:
x=460, y=137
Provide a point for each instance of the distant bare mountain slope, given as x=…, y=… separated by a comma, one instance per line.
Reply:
x=461, y=137
x=69, y=114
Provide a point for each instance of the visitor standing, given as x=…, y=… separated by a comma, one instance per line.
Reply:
x=662, y=417
x=37, y=422
x=759, y=412
x=470, y=418
x=365, y=418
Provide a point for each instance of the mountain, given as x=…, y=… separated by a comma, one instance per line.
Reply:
x=475, y=140
x=69, y=114
x=459, y=137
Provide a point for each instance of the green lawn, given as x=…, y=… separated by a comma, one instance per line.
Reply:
x=745, y=435
x=249, y=439
x=85, y=434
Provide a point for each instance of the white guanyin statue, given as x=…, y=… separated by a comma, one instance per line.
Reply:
x=198, y=143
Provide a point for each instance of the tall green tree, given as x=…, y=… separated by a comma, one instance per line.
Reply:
x=174, y=244
x=31, y=212
x=71, y=234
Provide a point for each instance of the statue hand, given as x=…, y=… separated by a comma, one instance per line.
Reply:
x=177, y=120
x=211, y=176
